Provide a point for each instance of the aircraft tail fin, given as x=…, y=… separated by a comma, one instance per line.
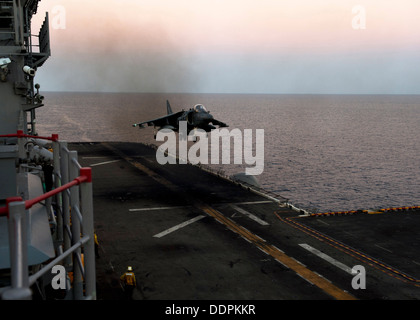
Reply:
x=168, y=107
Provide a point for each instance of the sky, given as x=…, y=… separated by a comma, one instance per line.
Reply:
x=232, y=46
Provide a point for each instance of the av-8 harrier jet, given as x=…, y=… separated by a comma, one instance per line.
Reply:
x=196, y=118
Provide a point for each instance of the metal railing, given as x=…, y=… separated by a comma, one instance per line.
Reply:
x=71, y=198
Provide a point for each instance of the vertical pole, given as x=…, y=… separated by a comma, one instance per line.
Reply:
x=75, y=226
x=88, y=230
x=18, y=246
x=16, y=24
x=21, y=146
x=21, y=38
x=33, y=123
x=57, y=183
x=65, y=209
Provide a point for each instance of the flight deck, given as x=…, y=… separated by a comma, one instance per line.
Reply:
x=192, y=235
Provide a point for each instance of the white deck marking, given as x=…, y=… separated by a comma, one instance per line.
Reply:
x=377, y=245
x=157, y=208
x=253, y=202
x=179, y=226
x=180, y=207
x=98, y=157
x=324, y=222
x=326, y=258
x=249, y=215
x=102, y=163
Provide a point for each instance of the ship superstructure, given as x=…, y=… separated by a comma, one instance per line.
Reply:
x=46, y=214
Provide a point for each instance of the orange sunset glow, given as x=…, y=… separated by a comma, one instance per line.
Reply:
x=212, y=36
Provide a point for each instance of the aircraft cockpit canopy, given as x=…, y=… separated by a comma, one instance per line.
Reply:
x=200, y=108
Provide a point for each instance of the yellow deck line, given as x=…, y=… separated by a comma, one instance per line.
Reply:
x=271, y=250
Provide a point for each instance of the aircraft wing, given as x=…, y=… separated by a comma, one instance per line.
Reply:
x=219, y=123
x=169, y=119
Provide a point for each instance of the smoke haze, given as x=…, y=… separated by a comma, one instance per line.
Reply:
x=232, y=47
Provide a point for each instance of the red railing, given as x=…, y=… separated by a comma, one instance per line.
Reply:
x=68, y=232
x=20, y=134
x=85, y=176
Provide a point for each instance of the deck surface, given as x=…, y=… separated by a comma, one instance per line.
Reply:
x=190, y=235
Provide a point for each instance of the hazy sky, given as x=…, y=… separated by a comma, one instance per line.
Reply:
x=232, y=46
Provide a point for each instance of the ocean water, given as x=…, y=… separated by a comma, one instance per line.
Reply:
x=323, y=152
